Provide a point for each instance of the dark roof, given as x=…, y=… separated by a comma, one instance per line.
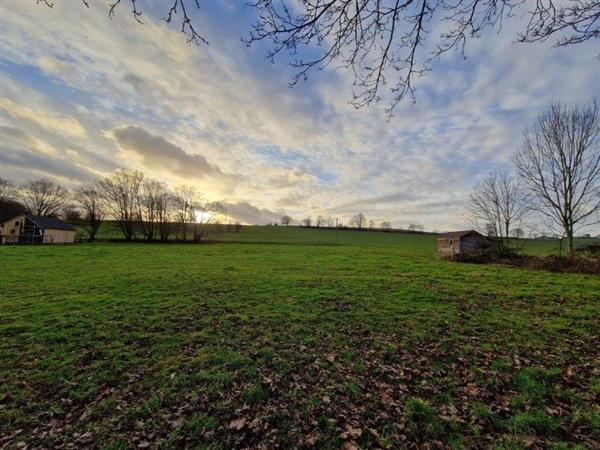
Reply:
x=50, y=223
x=459, y=234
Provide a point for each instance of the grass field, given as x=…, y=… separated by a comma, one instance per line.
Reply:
x=279, y=339
x=300, y=235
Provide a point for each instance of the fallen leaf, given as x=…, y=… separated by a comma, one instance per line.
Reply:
x=237, y=424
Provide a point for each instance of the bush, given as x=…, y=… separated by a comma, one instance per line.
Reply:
x=578, y=264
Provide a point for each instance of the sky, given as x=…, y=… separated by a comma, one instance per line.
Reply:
x=83, y=95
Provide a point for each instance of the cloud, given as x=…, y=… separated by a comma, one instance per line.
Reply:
x=159, y=154
x=224, y=120
x=291, y=178
x=62, y=124
x=20, y=137
x=250, y=214
x=53, y=65
x=21, y=164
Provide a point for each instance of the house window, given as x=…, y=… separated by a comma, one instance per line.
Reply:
x=450, y=241
x=17, y=223
x=12, y=231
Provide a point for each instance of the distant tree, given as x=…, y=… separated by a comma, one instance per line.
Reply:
x=385, y=225
x=286, y=220
x=371, y=224
x=359, y=221
x=307, y=222
x=152, y=198
x=518, y=233
x=121, y=193
x=89, y=199
x=43, y=197
x=559, y=163
x=206, y=214
x=7, y=189
x=321, y=221
x=237, y=227
x=417, y=227
x=499, y=199
x=71, y=213
x=164, y=214
x=185, y=199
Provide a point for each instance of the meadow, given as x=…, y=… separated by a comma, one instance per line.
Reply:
x=278, y=337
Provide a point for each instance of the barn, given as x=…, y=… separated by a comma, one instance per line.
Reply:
x=29, y=229
x=461, y=242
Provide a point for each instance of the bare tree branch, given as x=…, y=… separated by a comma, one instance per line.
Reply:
x=381, y=42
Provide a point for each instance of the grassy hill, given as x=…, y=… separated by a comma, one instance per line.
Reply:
x=301, y=235
x=279, y=338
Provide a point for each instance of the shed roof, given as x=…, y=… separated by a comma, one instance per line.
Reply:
x=50, y=223
x=47, y=223
x=460, y=234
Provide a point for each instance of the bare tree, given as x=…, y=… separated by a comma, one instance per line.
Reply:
x=359, y=221
x=164, y=214
x=382, y=41
x=9, y=206
x=320, y=221
x=121, y=192
x=206, y=214
x=490, y=230
x=71, y=213
x=286, y=220
x=518, y=233
x=185, y=199
x=43, y=197
x=7, y=189
x=151, y=207
x=500, y=202
x=307, y=222
x=385, y=225
x=559, y=162
x=89, y=199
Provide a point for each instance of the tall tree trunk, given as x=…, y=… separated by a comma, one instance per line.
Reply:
x=570, y=246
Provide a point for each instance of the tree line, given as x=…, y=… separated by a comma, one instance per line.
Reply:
x=555, y=185
x=358, y=221
x=142, y=207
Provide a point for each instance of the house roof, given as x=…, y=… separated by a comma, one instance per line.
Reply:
x=459, y=234
x=50, y=223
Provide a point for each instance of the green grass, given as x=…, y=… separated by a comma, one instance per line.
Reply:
x=301, y=235
x=280, y=336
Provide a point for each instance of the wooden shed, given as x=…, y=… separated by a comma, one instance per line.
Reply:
x=460, y=242
x=29, y=229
